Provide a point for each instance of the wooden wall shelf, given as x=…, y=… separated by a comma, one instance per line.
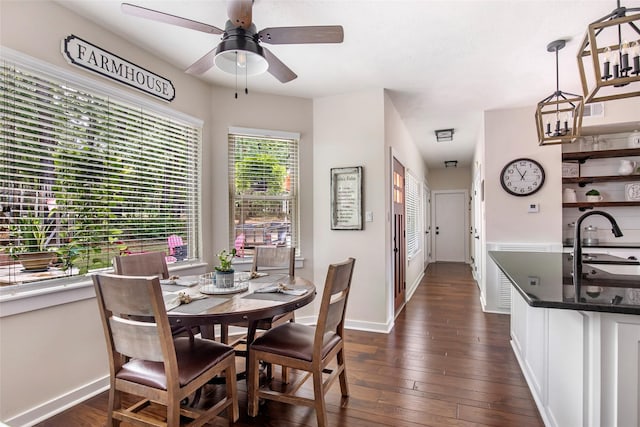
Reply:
x=590, y=205
x=584, y=180
x=581, y=156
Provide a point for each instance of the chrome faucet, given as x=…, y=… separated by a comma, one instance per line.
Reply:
x=577, y=247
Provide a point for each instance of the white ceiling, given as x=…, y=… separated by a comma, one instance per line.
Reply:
x=443, y=62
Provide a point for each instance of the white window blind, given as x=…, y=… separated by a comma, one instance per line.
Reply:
x=97, y=176
x=263, y=193
x=413, y=208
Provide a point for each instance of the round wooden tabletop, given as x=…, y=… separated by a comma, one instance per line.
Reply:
x=248, y=305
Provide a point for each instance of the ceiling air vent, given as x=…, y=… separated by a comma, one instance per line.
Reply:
x=595, y=109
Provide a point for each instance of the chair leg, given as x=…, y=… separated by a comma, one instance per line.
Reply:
x=253, y=384
x=318, y=394
x=173, y=414
x=232, y=390
x=115, y=402
x=344, y=386
x=285, y=375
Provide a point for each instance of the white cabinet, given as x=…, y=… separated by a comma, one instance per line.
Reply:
x=583, y=368
x=620, y=337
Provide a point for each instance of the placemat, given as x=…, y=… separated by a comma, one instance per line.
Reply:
x=198, y=306
x=273, y=296
x=269, y=278
x=173, y=288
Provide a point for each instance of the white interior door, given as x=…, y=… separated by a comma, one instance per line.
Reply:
x=449, y=226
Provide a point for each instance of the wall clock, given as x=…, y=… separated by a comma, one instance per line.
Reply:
x=522, y=177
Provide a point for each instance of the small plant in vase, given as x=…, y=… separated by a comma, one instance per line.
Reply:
x=593, y=195
x=30, y=241
x=224, y=271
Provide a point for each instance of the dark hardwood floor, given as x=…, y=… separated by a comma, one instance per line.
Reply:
x=445, y=363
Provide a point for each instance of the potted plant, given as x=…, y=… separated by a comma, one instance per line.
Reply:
x=30, y=236
x=224, y=271
x=593, y=195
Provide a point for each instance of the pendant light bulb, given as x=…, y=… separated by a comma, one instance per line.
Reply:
x=241, y=59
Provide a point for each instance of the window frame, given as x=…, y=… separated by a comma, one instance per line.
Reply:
x=74, y=287
x=263, y=134
x=413, y=214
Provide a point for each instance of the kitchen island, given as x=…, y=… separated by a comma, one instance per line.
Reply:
x=579, y=351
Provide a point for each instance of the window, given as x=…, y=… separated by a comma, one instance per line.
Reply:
x=413, y=209
x=85, y=176
x=263, y=181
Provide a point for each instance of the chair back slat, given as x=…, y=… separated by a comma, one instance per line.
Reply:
x=274, y=257
x=334, y=301
x=145, y=264
x=134, y=318
x=138, y=340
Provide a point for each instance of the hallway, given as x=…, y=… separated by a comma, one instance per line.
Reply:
x=445, y=363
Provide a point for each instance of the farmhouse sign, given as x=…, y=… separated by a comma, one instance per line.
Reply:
x=83, y=54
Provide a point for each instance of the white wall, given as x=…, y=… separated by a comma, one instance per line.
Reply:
x=349, y=131
x=450, y=179
x=511, y=134
x=398, y=142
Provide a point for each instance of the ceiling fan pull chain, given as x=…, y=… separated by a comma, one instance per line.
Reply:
x=236, y=74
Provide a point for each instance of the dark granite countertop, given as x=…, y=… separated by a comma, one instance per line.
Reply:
x=544, y=280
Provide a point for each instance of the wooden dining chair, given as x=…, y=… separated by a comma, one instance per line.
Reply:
x=272, y=258
x=147, y=362
x=306, y=348
x=143, y=264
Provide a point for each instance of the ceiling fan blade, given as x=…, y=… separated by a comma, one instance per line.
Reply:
x=239, y=12
x=277, y=67
x=302, y=35
x=154, y=15
x=203, y=64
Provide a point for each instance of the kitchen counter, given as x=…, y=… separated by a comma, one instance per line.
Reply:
x=543, y=279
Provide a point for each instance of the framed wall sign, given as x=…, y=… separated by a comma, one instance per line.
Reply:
x=346, y=198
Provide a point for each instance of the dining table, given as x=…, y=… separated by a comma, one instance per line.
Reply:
x=248, y=301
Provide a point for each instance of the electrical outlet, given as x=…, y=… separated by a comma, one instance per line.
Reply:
x=533, y=207
x=533, y=281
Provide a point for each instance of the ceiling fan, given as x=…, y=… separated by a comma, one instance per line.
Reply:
x=241, y=46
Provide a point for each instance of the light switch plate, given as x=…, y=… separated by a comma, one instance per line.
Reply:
x=368, y=216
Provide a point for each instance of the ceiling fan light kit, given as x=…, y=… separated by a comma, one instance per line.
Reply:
x=559, y=115
x=614, y=69
x=239, y=53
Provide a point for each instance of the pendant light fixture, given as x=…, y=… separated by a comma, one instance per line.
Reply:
x=559, y=115
x=609, y=56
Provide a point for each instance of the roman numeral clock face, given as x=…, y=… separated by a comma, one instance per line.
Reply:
x=522, y=177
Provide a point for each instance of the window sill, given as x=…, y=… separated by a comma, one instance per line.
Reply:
x=19, y=299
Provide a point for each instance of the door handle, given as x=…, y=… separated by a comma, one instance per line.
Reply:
x=477, y=237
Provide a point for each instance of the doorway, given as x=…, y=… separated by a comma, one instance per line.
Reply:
x=450, y=225
x=399, y=247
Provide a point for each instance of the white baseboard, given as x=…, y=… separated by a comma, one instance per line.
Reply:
x=59, y=404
